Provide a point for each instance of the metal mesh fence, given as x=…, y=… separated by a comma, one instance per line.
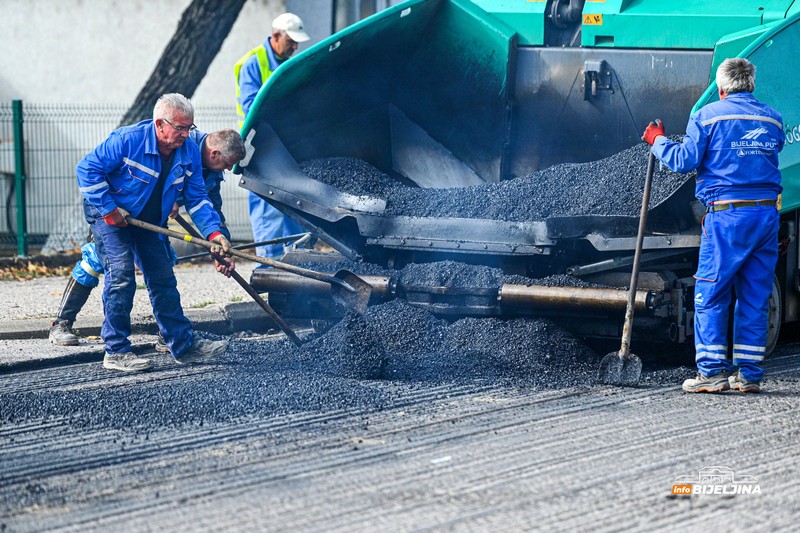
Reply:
x=56, y=137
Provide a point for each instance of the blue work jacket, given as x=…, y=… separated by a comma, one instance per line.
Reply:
x=123, y=170
x=213, y=178
x=733, y=144
x=210, y=177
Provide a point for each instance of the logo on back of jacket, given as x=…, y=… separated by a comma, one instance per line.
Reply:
x=751, y=144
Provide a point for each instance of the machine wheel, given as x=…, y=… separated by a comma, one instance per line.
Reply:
x=774, y=316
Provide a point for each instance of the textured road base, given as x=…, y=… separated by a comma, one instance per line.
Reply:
x=297, y=451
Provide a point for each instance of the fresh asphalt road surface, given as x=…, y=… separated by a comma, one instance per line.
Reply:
x=254, y=443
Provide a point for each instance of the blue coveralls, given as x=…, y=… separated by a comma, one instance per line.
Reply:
x=266, y=221
x=122, y=172
x=734, y=145
x=88, y=270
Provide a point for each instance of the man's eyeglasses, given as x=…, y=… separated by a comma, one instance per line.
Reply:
x=180, y=129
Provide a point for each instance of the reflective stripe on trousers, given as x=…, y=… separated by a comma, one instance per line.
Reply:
x=738, y=250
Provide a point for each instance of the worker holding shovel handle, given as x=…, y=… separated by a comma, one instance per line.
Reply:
x=141, y=170
x=733, y=143
x=219, y=151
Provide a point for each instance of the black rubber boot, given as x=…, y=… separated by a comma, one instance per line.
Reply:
x=75, y=296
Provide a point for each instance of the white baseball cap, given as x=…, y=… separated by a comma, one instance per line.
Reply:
x=292, y=25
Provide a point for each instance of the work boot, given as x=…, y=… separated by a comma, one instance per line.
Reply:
x=75, y=296
x=203, y=350
x=125, y=362
x=161, y=344
x=61, y=334
x=715, y=383
x=737, y=382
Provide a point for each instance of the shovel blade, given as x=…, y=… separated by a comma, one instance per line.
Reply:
x=356, y=299
x=617, y=370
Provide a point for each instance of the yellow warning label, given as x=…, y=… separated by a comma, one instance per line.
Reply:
x=593, y=20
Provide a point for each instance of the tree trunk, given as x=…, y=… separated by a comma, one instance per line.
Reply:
x=201, y=31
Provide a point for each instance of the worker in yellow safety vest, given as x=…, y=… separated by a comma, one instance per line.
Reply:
x=251, y=72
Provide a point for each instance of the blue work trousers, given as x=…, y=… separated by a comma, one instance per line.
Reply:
x=269, y=223
x=738, y=250
x=120, y=249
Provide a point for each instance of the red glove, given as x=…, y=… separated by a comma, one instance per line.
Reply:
x=116, y=218
x=653, y=131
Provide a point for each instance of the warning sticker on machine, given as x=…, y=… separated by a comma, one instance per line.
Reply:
x=593, y=20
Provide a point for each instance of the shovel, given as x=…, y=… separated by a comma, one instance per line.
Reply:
x=347, y=289
x=246, y=286
x=623, y=367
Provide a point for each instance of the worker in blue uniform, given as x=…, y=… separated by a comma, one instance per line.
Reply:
x=251, y=72
x=219, y=151
x=140, y=170
x=733, y=144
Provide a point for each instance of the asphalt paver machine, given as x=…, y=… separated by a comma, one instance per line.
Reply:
x=447, y=94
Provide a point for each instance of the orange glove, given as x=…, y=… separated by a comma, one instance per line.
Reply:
x=116, y=218
x=653, y=131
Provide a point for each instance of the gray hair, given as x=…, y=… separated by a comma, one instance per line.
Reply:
x=736, y=75
x=228, y=142
x=171, y=104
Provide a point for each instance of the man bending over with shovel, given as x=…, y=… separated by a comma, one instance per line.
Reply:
x=219, y=151
x=140, y=170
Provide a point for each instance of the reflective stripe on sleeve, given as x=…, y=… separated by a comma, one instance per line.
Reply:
x=89, y=270
x=96, y=187
x=198, y=206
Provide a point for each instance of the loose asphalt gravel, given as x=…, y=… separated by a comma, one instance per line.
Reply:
x=610, y=186
x=271, y=438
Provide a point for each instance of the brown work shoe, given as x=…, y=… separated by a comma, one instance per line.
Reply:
x=125, y=362
x=715, y=383
x=62, y=335
x=737, y=382
x=203, y=350
x=161, y=344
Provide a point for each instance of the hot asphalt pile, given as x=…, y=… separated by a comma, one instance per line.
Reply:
x=462, y=275
x=610, y=186
x=350, y=175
